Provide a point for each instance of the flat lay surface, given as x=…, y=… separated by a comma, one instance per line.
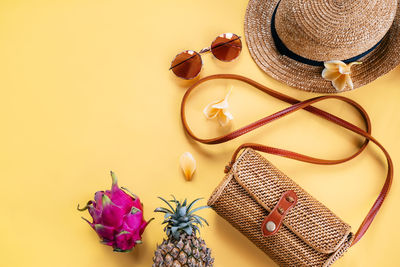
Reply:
x=86, y=89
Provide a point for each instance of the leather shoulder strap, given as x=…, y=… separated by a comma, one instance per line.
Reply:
x=297, y=105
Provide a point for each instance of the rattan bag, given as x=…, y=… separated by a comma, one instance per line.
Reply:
x=269, y=208
x=311, y=234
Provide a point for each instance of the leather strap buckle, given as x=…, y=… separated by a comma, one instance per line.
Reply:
x=273, y=221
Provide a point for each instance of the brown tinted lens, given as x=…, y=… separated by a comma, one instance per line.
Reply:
x=226, y=47
x=187, y=64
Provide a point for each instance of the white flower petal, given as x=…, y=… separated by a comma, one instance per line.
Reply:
x=330, y=75
x=344, y=69
x=221, y=104
x=188, y=165
x=210, y=112
x=224, y=119
x=339, y=83
x=349, y=82
x=228, y=114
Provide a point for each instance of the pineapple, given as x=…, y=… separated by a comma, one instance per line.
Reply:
x=183, y=247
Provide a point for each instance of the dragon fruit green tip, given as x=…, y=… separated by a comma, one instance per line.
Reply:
x=117, y=217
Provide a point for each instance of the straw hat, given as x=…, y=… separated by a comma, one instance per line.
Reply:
x=292, y=39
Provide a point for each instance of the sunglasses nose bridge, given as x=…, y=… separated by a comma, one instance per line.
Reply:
x=204, y=50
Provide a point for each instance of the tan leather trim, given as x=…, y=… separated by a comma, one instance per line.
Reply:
x=348, y=240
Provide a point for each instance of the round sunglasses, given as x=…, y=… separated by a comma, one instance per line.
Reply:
x=187, y=64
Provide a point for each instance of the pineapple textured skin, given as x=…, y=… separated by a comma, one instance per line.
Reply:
x=188, y=251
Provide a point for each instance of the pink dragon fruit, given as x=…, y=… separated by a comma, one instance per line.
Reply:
x=117, y=217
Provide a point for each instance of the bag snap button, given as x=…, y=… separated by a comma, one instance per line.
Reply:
x=270, y=226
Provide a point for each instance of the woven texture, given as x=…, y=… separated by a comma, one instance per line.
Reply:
x=326, y=30
x=305, y=27
x=311, y=235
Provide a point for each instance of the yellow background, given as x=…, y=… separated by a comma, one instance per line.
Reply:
x=85, y=89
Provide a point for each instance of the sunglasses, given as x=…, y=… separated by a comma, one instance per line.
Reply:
x=187, y=64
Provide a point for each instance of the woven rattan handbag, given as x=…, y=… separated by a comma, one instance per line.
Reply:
x=275, y=213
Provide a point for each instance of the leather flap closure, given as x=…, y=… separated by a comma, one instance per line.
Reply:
x=309, y=219
x=273, y=221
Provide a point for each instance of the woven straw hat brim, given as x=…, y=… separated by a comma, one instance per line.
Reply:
x=302, y=76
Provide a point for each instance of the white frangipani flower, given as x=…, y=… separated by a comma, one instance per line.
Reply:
x=219, y=110
x=338, y=73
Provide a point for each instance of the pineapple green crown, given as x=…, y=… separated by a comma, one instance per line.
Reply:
x=181, y=219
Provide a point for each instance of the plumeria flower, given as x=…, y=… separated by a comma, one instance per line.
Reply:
x=219, y=110
x=338, y=73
